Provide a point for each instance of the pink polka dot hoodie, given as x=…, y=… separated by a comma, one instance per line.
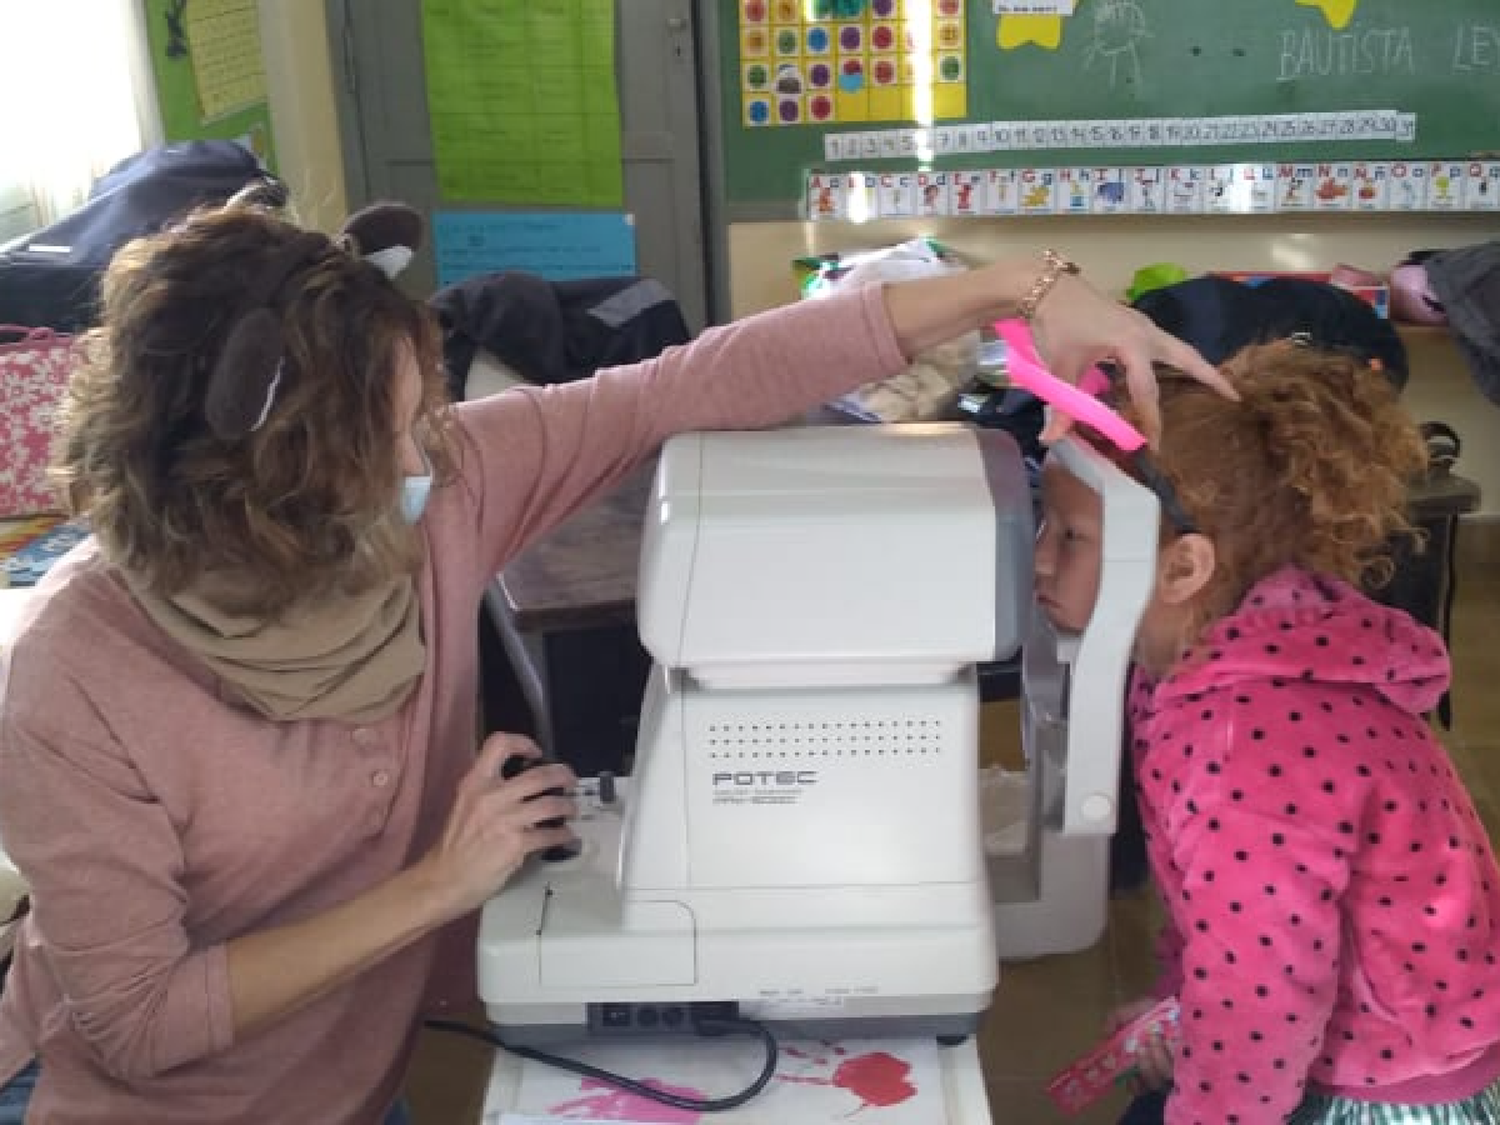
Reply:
x=1333, y=901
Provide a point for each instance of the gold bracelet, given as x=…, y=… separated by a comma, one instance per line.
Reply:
x=1055, y=265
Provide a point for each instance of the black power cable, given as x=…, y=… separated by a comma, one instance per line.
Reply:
x=707, y=1027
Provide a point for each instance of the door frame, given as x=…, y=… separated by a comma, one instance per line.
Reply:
x=339, y=16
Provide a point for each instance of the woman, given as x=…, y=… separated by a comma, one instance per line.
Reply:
x=236, y=736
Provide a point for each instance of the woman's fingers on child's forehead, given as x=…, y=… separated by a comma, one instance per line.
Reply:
x=1140, y=381
x=1186, y=359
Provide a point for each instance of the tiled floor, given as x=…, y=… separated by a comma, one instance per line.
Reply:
x=1049, y=1011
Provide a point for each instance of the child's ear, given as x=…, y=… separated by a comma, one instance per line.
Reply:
x=1186, y=566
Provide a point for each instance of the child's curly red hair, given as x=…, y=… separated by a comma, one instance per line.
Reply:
x=1312, y=467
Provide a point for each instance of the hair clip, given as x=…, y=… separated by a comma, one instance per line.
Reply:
x=244, y=379
x=265, y=409
x=387, y=235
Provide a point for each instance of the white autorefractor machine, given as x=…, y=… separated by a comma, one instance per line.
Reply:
x=800, y=840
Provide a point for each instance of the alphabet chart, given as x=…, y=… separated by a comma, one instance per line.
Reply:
x=1181, y=189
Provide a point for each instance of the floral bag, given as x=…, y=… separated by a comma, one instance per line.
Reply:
x=35, y=364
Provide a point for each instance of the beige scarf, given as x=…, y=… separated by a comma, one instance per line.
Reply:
x=355, y=659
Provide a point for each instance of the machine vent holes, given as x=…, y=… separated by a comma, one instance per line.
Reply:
x=772, y=740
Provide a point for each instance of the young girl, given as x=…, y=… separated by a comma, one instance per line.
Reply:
x=1332, y=898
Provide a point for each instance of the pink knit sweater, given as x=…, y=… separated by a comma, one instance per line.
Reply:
x=156, y=823
x=1333, y=900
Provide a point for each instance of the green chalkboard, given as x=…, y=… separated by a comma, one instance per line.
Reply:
x=1134, y=59
x=177, y=87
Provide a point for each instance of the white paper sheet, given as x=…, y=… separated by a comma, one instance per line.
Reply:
x=890, y=1082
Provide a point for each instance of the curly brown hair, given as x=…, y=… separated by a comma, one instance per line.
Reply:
x=1311, y=468
x=304, y=506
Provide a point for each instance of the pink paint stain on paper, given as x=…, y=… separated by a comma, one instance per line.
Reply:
x=608, y=1104
x=879, y=1080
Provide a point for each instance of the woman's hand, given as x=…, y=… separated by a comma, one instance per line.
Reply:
x=1076, y=326
x=495, y=824
x=1153, y=1064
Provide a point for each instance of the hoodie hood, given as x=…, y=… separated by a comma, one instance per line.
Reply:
x=1301, y=626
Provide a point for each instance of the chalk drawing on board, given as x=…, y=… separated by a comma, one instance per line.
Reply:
x=1119, y=28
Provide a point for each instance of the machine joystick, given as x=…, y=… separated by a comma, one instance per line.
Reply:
x=514, y=767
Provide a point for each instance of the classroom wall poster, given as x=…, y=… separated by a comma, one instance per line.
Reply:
x=523, y=102
x=208, y=67
x=557, y=245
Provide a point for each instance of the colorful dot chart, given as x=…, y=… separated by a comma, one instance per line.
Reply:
x=820, y=62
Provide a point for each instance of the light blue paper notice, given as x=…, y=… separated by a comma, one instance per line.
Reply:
x=560, y=246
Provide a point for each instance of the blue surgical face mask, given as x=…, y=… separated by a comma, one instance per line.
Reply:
x=415, y=490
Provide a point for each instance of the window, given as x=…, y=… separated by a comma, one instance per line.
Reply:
x=75, y=98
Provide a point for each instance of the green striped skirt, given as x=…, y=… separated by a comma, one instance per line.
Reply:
x=1328, y=1109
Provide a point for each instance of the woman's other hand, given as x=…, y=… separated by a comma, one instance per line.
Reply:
x=496, y=824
